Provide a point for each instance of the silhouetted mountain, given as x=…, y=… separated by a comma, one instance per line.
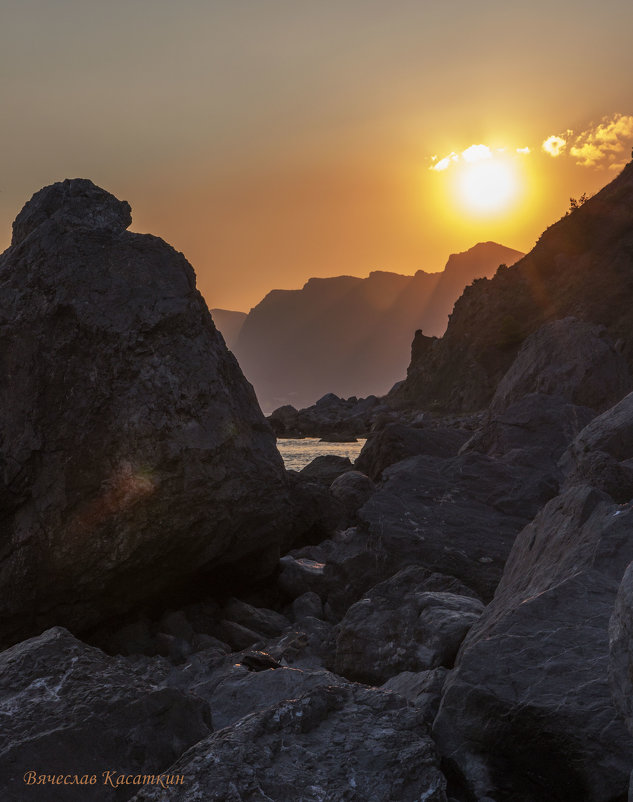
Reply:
x=351, y=336
x=229, y=324
x=581, y=267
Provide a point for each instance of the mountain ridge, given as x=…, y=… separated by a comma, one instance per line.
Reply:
x=350, y=335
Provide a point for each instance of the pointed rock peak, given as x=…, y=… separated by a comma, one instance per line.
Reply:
x=76, y=203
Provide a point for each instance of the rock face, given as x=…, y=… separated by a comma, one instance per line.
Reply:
x=334, y=743
x=67, y=708
x=132, y=449
x=581, y=266
x=396, y=441
x=351, y=336
x=528, y=715
x=456, y=516
x=621, y=649
x=568, y=358
x=401, y=625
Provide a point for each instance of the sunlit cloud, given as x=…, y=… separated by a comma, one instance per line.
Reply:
x=523, y=151
x=606, y=144
x=602, y=145
x=476, y=153
x=442, y=164
x=554, y=145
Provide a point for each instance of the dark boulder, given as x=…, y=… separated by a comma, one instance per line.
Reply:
x=602, y=453
x=401, y=625
x=455, y=516
x=533, y=431
x=351, y=490
x=133, y=450
x=331, y=418
x=327, y=468
x=69, y=709
x=397, y=441
x=335, y=743
x=527, y=715
x=568, y=358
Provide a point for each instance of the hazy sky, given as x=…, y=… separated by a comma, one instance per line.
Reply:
x=273, y=140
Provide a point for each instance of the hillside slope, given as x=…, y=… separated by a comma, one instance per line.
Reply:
x=582, y=266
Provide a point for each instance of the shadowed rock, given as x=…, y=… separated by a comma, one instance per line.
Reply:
x=133, y=452
x=334, y=743
x=69, y=709
x=527, y=714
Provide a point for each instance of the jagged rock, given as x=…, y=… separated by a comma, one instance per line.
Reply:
x=299, y=575
x=456, y=516
x=344, y=568
x=533, y=431
x=67, y=708
x=400, y=625
x=527, y=714
x=602, y=453
x=568, y=358
x=316, y=513
x=621, y=649
x=309, y=604
x=331, y=418
x=242, y=692
x=268, y=622
x=397, y=441
x=327, y=468
x=352, y=489
x=334, y=743
x=133, y=450
x=422, y=688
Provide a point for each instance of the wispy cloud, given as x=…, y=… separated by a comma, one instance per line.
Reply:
x=604, y=144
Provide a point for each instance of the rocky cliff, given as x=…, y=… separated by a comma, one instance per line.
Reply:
x=581, y=267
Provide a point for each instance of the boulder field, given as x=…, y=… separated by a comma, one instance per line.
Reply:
x=449, y=619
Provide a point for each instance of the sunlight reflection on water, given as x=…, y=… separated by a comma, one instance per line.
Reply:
x=299, y=453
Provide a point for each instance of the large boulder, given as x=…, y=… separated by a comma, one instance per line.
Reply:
x=456, y=516
x=334, y=743
x=397, y=441
x=533, y=431
x=569, y=358
x=403, y=624
x=621, y=649
x=602, y=453
x=527, y=715
x=69, y=710
x=133, y=451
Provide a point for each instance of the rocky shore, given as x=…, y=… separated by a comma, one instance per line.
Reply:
x=448, y=619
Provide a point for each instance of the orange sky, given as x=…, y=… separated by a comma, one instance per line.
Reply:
x=273, y=141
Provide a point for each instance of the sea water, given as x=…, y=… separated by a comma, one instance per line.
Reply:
x=297, y=453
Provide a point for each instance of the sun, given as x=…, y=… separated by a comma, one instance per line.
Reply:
x=488, y=187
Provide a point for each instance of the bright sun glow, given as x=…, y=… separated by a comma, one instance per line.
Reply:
x=487, y=187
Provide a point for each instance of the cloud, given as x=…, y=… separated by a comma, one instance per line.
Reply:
x=554, y=145
x=523, y=151
x=605, y=144
x=474, y=153
x=442, y=164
